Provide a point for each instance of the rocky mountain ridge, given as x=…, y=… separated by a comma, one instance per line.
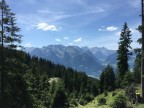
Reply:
x=90, y=60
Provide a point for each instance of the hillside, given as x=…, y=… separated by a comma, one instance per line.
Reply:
x=110, y=98
x=36, y=82
x=61, y=54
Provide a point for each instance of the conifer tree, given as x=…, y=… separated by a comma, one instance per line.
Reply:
x=137, y=67
x=123, y=53
x=107, y=79
x=59, y=99
x=8, y=39
x=137, y=64
x=9, y=30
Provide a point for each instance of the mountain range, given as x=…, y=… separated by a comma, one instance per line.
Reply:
x=89, y=60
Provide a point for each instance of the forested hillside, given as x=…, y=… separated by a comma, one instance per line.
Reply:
x=28, y=81
x=35, y=82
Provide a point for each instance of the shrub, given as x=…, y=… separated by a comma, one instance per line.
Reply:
x=86, y=98
x=119, y=102
x=101, y=101
x=113, y=94
x=82, y=101
x=105, y=93
x=89, y=97
x=73, y=102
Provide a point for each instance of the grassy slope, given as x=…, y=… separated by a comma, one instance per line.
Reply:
x=109, y=100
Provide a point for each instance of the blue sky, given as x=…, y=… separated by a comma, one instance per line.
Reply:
x=75, y=22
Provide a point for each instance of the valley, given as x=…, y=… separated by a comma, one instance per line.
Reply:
x=89, y=60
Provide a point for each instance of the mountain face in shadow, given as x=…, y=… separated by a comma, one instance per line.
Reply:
x=89, y=60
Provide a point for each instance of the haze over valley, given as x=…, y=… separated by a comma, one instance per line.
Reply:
x=92, y=61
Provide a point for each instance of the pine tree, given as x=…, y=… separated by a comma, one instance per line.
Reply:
x=9, y=39
x=101, y=83
x=9, y=30
x=128, y=79
x=137, y=64
x=107, y=79
x=137, y=67
x=59, y=99
x=123, y=53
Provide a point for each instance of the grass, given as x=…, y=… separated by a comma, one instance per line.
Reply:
x=138, y=106
x=109, y=99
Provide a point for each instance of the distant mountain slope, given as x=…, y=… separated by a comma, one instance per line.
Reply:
x=102, y=53
x=90, y=60
x=112, y=59
x=70, y=56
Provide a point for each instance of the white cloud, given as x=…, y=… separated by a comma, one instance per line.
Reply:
x=47, y=11
x=78, y=40
x=100, y=29
x=28, y=45
x=46, y=27
x=66, y=15
x=111, y=28
x=66, y=38
x=58, y=40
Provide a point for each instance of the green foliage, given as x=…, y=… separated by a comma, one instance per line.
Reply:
x=130, y=92
x=119, y=102
x=15, y=92
x=73, y=103
x=123, y=51
x=105, y=93
x=39, y=83
x=128, y=79
x=25, y=80
x=137, y=67
x=107, y=79
x=137, y=63
x=82, y=101
x=113, y=93
x=86, y=98
x=59, y=98
x=9, y=29
x=101, y=101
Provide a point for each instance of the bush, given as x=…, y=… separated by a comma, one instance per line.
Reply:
x=119, y=102
x=82, y=101
x=73, y=102
x=86, y=98
x=101, y=101
x=105, y=93
x=113, y=94
x=89, y=97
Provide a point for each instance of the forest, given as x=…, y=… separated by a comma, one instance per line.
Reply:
x=31, y=82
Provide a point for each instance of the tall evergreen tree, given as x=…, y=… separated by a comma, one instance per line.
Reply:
x=137, y=64
x=107, y=79
x=59, y=99
x=9, y=39
x=9, y=30
x=137, y=67
x=123, y=53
